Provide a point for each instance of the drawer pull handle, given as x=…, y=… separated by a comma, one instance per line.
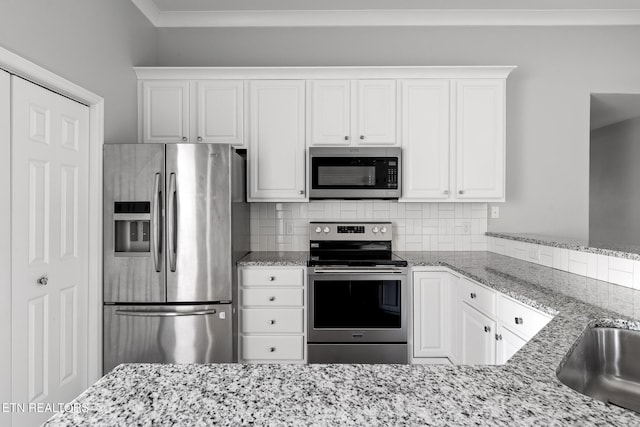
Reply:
x=272, y=349
x=487, y=329
x=272, y=278
x=519, y=321
x=272, y=322
x=473, y=295
x=272, y=298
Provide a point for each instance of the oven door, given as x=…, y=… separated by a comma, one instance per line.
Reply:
x=357, y=306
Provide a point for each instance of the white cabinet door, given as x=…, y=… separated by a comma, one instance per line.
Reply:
x=507, y=344
x=219, y=111
x=49, y=272
x=329, y=112
x=276, y=149
x=165, y=111
x=425, y=139
x=376, y=116
x=432, y=314
x=477, y=334
x=480, y=139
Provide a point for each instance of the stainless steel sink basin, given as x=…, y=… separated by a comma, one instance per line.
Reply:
x=605, y=364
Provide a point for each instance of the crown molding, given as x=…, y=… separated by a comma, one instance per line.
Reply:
x=305, y=73
x=389, y=18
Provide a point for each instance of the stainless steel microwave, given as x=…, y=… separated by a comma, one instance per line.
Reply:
x=354, y=172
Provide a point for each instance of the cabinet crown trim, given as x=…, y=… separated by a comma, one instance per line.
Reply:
x=394, y=72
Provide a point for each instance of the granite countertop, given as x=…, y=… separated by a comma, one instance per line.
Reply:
x=525, y=391
x=602, y=248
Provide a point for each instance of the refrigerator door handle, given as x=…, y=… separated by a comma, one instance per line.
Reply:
x=171, y=231
x=144, y=313
x=156, y=223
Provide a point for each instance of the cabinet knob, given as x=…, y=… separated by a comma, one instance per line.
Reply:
x=184, y=138
x=272, y=349
x=498, y=337
x=272, y=322
x=519, y=321
x=473, y=295
x=199, y=139
x=272, y=298
x=361, y=136
x=461, y=192
x=43, y=281
x=487, y=329
x=272, y=278
x=346, y=137
x=445, y=192
x=301, y=192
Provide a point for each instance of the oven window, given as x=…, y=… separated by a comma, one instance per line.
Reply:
x=356, y=304
x=351, y=176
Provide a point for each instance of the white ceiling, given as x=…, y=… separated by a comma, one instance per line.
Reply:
x=610, y=108
x=330, y=13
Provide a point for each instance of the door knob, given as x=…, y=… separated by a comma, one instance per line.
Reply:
x=43, y=281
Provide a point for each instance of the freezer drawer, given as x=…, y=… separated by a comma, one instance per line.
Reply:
x=167, y=334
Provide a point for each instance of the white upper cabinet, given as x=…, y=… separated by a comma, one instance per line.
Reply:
x=376, y=112
x=480, y=139
x=276, y=149
x=358, y=112
x=425, y=139
x=192, y=111
x=164, y=111
x=329, y=113
x=219, y=111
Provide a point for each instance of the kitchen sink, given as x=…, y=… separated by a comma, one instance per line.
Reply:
x=605, y=364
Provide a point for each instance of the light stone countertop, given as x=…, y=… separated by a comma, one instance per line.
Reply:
x=525, y=391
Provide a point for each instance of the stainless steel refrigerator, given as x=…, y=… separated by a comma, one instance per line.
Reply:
x=175, y=223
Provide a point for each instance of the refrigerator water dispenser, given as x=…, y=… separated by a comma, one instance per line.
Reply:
x=132, y=224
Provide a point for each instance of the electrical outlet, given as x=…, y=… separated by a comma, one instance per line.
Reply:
x=290, y=229
x=466, y=228
x=495, y=212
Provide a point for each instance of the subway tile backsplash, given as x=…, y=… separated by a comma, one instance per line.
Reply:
x=416, y=226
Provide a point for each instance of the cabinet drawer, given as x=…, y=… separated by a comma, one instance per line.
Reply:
x=519, y=318
x=273, y=277
x=257, y=320
x=272, y=297
x=478, y=296
x=272, y=347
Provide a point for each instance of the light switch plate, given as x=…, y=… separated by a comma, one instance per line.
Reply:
x=495, y=212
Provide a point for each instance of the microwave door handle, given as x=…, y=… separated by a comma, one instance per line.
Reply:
x=171, y=219
x=156, y=223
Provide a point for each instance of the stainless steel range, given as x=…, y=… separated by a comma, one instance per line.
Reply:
x=357, y=294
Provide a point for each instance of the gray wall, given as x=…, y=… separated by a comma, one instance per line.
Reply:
x=548, y=95
x=93, y=43
x=614, y=202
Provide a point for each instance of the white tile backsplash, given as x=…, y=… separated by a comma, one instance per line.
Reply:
x=416, y=226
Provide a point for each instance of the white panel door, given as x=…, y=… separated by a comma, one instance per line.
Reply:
x=276, y=150
x=432, y=314
x=165, y=111
x=329, y=112
x=219, y=111
x=5, y=241
x=425, y=140
x=508, y=344
x=50, y=158
x=480, y=139
x=477, y=335
x=376, y=116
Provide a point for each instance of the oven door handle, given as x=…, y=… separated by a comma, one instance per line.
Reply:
x=358, y=271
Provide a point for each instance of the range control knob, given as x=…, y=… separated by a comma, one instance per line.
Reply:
x=375, y=229
x=326, y=230
x=383, y=230
x=318, y=229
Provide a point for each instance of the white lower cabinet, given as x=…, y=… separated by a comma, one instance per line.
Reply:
x=272, y=315
x=464, y=322
x=433, y=315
